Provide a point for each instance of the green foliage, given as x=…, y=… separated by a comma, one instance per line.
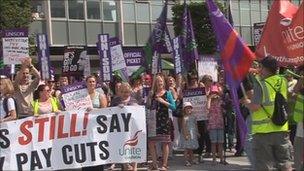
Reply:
x=15, y=14
x=204, y=35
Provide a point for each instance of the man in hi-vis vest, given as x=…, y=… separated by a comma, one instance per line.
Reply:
x=271, y=144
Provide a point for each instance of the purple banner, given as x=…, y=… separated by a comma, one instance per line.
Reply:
x=73, y=87
x=105, y=57
x=194, y=92
x=72, y=65
x=43, y=56
x=21, y=32
x=177, y=54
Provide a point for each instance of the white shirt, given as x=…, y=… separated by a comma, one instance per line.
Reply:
x=10, y=106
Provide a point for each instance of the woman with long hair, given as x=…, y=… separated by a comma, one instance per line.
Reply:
x=99, y=100
x=161, y=101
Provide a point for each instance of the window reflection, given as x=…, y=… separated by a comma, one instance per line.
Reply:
x=38, y=9
x=76, y=9
x=109, y=11
x=93, y=9
x=57, y=9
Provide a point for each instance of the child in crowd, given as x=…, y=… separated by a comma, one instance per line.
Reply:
x=216, y=123
x=189, y=138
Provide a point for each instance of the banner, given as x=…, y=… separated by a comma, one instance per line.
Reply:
x=15, y=45
x=43, y=56
x=257, y=32
x=76, y=96
x=198, y=99
x=177, y=51
x=74, y=139
x=72, y=60
x=105, y=57
x=133, y=58
x=283, y=35
x=207, y=65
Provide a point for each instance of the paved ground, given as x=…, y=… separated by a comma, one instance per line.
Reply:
x=234, y=163
x=177, y=163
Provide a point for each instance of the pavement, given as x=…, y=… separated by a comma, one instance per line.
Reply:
x=177, y=163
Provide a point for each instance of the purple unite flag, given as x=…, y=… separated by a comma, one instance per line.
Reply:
x=189, y=46
x=236, y=57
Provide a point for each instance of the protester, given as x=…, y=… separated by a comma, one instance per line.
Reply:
x=99, y=100
x=124, y=98
x=8, y=106
x=299, y=119
x=189, y=137
x=25, y=86
x=43, y=102
x=162, y=100
x=204, y=140
x=137, y=90
x=216, y=123
x=271, y=144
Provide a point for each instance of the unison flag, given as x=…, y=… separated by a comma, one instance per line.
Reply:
x=158, y=42
x=285, y=27
x=189, y=54
x=236, y=57
x=43, y=56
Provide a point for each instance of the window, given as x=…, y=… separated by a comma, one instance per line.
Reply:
x=143, y=12
x=93, y=9
x=109, y=11
x=129, y=12
x=58, y=9
x=156, y=10
x=76, y=9
x=38, y=9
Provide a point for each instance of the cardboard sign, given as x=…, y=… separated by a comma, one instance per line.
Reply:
x=207, y=65
x=134, y=59
x=15, y=45
x=74, y=139
x=198, y=99
x=76, y=97
x=72, y=60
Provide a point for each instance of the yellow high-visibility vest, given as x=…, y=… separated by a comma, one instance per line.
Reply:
x=54, y=104
x=298, y=111
x=261, y=121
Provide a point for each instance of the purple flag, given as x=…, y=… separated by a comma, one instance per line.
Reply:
x=189, y=45
x=236, y=57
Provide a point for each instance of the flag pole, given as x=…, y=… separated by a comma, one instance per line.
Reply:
x=265, y=51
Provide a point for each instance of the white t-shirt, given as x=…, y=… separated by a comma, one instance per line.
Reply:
x=10, y=106
x=300, y=132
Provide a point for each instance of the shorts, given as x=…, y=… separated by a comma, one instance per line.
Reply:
x=216, y=135
x=272, y=151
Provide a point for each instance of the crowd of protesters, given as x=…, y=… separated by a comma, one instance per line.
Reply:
x=267, y=145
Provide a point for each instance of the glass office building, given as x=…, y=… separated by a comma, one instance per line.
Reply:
x=78, y=22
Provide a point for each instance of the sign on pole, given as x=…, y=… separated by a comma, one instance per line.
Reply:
x=44, y=56
x=15, y=45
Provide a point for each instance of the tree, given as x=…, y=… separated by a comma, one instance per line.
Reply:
x=204, y=35
x=15, y=14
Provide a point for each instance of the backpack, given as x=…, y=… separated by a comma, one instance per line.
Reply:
x=279, y=116
x=5, y=107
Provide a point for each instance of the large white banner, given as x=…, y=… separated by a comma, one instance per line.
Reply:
x=74, y=139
